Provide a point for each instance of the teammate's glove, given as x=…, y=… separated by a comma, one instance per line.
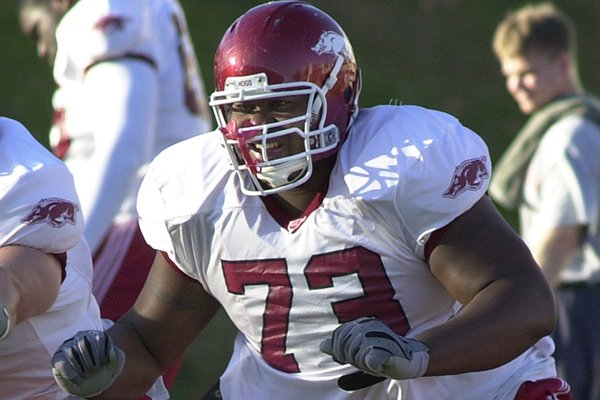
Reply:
x=4, y=322
x=370, y=345
x=87, y=364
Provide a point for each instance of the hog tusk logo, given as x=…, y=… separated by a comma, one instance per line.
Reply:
x=53, y=211
x=330, y=43
x=469, y=175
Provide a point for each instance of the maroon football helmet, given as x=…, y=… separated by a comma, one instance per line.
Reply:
x=281, y=49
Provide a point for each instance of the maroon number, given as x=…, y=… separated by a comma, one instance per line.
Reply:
x=272, y=273
x=377, y=300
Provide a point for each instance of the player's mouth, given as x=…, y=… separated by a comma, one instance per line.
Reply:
x=273, y=150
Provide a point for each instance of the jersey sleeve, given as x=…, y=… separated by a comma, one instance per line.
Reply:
x=445, y=176
x=151, y=212
x=420, y=169
x=38, y=200
x=181, y=197
x=153, y=218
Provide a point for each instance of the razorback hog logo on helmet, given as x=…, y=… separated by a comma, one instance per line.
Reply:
x=469, y=175
x=54, y=211
x=330, y=43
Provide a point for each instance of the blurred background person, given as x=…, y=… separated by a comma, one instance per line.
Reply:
x=551, y=174
x=128, y=85
x=45, y=265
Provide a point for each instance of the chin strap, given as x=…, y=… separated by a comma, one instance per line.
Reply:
x=283, y=174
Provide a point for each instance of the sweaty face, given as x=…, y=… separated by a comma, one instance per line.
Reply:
x=272, y=111
x=535, y=79
x=39, y=23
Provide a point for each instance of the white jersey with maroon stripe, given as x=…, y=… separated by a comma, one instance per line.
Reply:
x=40, y=209
x=403, y=172
x=128, y=86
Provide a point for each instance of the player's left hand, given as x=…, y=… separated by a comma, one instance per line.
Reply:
x=370, y=345
x=87, y=364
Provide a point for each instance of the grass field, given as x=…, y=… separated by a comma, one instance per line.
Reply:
x=434, y=53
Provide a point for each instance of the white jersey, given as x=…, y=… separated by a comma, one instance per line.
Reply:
x=128, y=86
x=403, y=172
x=40, y=209
x=562, y=188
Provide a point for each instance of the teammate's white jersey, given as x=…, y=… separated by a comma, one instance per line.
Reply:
x=40, y=209
x=128, y=86
x=403, y=172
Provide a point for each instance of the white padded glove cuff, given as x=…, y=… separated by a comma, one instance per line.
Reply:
x=402, y=368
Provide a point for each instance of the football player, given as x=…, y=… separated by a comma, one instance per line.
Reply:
x=45, y=265
x=339, y=241
x=128, y=86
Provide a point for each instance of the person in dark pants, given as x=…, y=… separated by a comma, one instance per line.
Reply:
x=551, y=174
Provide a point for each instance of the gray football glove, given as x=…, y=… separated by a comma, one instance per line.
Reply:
x=371, y=346
x=87, y=364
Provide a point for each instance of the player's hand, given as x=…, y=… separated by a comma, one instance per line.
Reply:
x=370, y=345
x=87, y=364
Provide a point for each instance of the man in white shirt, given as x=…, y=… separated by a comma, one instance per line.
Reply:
x=551, y=174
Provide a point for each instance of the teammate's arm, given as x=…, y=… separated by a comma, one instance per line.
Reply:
x=508, y=305
x=120, y=101
x=29, y=283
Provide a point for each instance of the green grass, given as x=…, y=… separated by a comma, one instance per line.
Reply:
x=206, y=360
x=434, y=53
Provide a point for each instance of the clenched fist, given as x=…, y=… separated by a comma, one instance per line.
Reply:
x=371, y=346
x=87, y=364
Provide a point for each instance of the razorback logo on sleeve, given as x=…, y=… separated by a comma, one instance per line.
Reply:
x=469, y=175
x=53, y=211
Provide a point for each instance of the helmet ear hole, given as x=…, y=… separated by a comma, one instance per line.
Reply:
x=348, y=95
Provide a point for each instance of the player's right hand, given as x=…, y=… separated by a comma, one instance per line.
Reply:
x=87, y=364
